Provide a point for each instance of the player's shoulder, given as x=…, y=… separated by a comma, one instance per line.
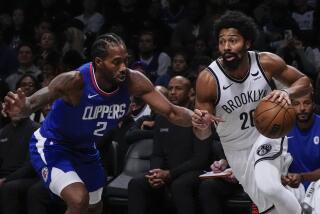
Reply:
x=67, y=80
x=271, y=61
x=138, y=83
x=269, y=58
x=205, y=76
x=136, y=77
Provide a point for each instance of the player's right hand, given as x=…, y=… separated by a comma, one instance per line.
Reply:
x=202, y=119
x=278, y=96
x=14, y=103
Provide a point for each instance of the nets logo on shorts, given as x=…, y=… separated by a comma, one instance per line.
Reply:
x=44, y=173
x=264, y=149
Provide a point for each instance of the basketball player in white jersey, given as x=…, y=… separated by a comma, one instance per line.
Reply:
x=227, y=93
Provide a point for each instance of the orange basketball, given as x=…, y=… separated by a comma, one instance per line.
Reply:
x=274, y=120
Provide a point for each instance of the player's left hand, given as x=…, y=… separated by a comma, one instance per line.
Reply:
x=278, y=96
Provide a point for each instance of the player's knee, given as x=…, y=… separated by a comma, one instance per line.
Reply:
x=79, y=201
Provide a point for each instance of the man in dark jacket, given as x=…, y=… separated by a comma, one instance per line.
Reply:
x=176, y=162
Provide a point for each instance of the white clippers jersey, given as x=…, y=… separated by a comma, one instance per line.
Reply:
x=236, y=102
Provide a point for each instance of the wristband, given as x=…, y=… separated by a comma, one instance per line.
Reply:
x=285, y=91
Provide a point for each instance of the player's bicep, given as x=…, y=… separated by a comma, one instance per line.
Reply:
x=206, y=92
x=141, y=86
x=60, y=86
x=276, y=67
x=157, y=102
x=288, y=75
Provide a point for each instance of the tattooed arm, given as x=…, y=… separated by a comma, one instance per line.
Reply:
x=67, y=86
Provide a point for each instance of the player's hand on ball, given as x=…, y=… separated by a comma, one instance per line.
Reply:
x=278, y=96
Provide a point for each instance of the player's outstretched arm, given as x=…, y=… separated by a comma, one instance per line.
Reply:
x=140, y=86
x=16, y=104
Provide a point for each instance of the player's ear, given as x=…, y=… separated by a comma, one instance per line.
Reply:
x=248, y=45
x=98, y=61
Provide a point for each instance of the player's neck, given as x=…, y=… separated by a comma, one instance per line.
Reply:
x=241, y=71
x=104, y=84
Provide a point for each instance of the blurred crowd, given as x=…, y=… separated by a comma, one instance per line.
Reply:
x=40, y=39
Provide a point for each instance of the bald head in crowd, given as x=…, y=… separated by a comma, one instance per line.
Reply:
x=179, y=88
x=163, y=90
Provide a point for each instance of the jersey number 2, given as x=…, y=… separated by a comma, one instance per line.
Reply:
x=101, y=126
x=247, y=119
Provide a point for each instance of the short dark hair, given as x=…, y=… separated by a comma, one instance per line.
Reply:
x=34, y=79
x=26, y=44
x=238, y=20
x=103, y=42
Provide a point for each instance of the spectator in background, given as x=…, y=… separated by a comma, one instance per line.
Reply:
x=143, y=127
x=3, y=91
x=29, y=84
x=172, y=11
x=71, y=60
x=5, y=21
x=91, y=19
x=74, y=36
x=176, y=162
x=275, y=25
x=20, y=30
x=304, y=15
x=157, y=62
x=179, y=68
x=197, y=64
x=201, y=48
x=138, y=108
x=128, y=13
x=8, y=59
x=51, y=67
x=214, y=191
x=43, y=25
x=14, y=138
x=26, y=65
x=304, y=147
x=296, y=54
x=48, y=44
x=194, y=25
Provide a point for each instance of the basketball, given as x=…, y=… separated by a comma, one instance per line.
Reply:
x=274, y=120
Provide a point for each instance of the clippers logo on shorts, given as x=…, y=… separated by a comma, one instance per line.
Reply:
x=264, y=149
x=44, y=173
x=316, y=140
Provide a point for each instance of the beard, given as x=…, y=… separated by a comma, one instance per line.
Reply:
x=304, y=117
x=231, y=64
